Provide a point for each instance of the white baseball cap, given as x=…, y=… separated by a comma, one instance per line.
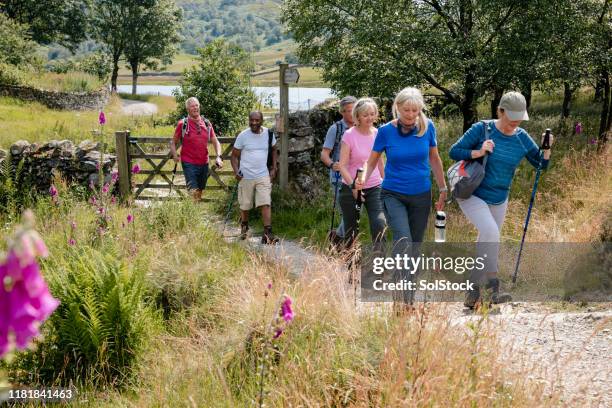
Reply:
x=514, y=105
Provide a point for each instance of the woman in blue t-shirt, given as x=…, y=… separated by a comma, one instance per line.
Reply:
x=409, y=142
x=507, y=144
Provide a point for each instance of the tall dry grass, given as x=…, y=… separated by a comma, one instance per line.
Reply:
x=332, y=354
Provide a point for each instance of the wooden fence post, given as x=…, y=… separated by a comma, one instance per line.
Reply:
x=284, y=113
x=121, y=145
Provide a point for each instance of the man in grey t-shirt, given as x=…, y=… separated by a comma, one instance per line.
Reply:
x=250, y=164
x=330, y=154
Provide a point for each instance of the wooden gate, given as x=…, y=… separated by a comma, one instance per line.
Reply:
x=155, y=179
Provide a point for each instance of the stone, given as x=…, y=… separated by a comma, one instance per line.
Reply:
x=20, y=147
x=300, y=144
x=300, y=132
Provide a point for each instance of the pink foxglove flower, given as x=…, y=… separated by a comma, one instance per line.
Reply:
x=72, y=242
x=105, y=188
x=25, y=301
x=286, y=311
x=130, y=218
x=53, y=191
x=114, y=176
x=102, y=118
x=277, y=333
x=136, y=169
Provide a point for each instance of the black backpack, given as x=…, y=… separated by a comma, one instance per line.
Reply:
x=269, y=162
x=186, y=125
x=339, y=133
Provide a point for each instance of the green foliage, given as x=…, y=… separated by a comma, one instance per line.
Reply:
x=251, y=24
x=220, y=82
x=97, y=64
x=16, y=52
x=15, y=188
x=102, y=325
x=61, y=21
x=461, y=48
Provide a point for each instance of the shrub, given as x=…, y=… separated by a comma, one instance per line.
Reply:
x=220, y=82
x=102, y=325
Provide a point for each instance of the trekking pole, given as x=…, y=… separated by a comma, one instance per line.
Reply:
x=545, y=146
x=172, y=180
x=358, y=202
x=229, y=207
x=331, y=227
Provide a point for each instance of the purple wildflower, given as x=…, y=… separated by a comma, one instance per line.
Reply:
x=72, y=242
x=114, y=176
x=105, y=188
x=136, y=169
x=101, y=210
x=277, y=333
x=286, y=311
x=269, y=285
x=578, y=128
x=593, y=141
x=113, y=200
x=102, y=118
x=130, y=218
x=93, y=200
x=53, y=191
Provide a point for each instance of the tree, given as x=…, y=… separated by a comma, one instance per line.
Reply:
x=61, y=21
x=220, y=82
x=16, y=54
x=153, y=32
x=377, y=47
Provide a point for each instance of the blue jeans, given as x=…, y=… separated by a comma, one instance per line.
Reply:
x=195, y=175
x=407, y=217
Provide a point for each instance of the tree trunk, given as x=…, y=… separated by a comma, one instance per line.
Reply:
x=497, y=94
x=599, y=87
x=469, y=110
x=115, y=74
x=527, y=93
x=134, y=77
x=567, y=99
x=605, y=120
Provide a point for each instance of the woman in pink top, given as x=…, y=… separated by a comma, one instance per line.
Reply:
x=356, y=147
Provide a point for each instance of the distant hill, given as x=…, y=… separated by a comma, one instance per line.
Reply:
x=252, y=24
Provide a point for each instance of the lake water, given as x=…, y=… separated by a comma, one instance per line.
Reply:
x=299, y=98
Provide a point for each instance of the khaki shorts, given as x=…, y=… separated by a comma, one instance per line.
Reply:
x=261, y=188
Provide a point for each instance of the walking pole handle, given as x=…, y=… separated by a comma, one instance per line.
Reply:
x=546, y=142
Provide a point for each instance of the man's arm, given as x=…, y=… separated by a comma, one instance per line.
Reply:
x=218, y=151
x=235, y=160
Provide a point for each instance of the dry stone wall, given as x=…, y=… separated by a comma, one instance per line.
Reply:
x=59, y=100
x=77, y=164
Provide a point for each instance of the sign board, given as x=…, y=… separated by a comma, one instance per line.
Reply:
x=291, y=76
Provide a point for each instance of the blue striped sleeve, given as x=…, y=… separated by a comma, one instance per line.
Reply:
x=471, y=139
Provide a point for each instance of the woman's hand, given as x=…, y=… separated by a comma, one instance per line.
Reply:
x=358, y=184
x=551, y=139
x=441, y=201
x=487, y=146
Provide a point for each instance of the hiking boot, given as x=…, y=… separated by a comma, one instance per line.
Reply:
x=244, y=230
x=268, y=238
x=472, y=297
x=197, y=195
x=493, y=293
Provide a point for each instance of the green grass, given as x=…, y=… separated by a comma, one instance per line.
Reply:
x=69, y=82
x=34, y=122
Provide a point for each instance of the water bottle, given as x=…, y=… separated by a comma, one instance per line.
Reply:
x=440, y=235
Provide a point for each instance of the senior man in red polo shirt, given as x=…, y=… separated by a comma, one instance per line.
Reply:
x=193, y=137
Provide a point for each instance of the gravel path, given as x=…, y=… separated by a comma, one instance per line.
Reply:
x=570, y=352
x=137, y=108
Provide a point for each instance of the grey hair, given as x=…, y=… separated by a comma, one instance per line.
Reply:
x=190, y=100
x=347, y=100
x=413, y=97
